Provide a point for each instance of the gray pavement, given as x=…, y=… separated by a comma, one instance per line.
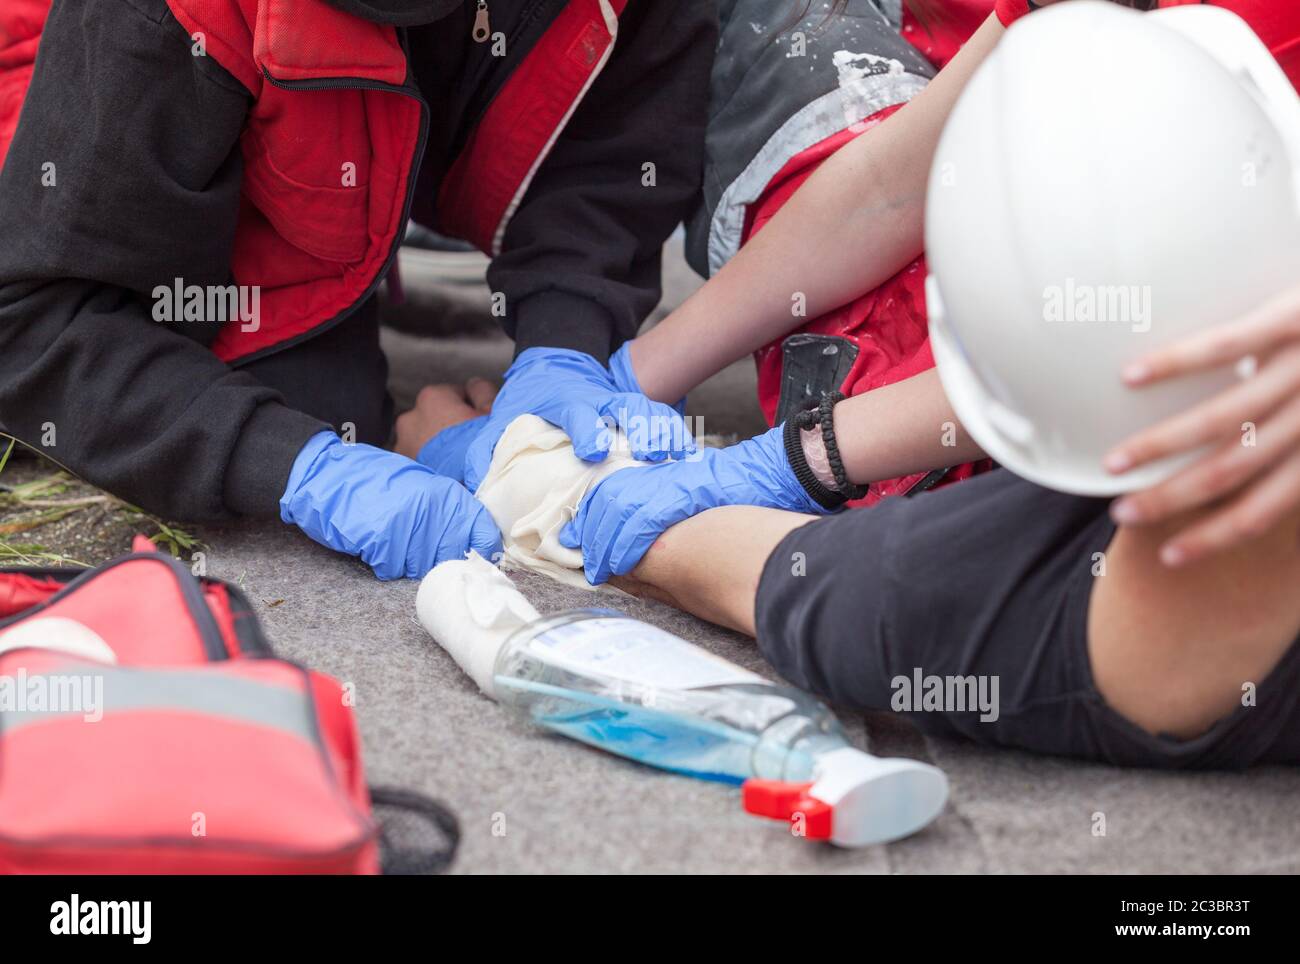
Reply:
x=568, y=808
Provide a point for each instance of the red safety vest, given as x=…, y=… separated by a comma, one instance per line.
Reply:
x=333, y=142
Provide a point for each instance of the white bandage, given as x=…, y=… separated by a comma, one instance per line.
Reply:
x=471, y=608
x=533, y=488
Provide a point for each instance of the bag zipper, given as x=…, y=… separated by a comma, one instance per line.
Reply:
x=482, y=25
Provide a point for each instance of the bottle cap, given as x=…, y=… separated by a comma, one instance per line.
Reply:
x=854, y=799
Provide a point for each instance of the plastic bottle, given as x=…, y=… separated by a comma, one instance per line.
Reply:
x=630, y=688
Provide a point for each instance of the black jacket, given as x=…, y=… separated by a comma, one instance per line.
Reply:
x=144, y=143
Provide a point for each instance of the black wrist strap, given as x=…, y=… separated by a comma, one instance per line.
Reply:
x=828, y=499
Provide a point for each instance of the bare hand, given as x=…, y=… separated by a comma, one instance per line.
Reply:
x=1252, y=472
x=438, y=407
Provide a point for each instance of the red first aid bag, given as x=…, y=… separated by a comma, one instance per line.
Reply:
x=146, y=727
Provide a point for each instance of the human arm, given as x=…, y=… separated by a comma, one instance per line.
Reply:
x=580, y=261
x=621, y=517
x=124, y=174
x=852, y=225
x=710, y=565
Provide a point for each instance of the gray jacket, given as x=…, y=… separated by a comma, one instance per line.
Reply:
x=777, y=92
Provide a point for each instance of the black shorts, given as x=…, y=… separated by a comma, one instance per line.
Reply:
x=989, y=580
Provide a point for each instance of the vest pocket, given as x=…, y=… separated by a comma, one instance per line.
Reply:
x=318, y=199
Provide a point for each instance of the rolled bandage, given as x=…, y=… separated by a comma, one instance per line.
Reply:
x=471, y=608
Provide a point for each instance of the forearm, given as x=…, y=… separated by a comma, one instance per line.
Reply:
x=89, y=380
x=899, y=429
x=137, y=406
x=855, y=223
x=710, y=564
x=580, y=264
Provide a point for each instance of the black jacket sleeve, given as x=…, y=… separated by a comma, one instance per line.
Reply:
x=123, y=175
x=580, y=261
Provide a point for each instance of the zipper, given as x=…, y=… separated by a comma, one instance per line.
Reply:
x=482, y=25
x=355, y=83
x=253, y=643
x=491, y=73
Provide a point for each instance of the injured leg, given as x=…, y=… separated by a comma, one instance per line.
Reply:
x=710, y=565
x=1093, y=647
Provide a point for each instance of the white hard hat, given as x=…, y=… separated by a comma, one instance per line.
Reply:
x=1108, y=183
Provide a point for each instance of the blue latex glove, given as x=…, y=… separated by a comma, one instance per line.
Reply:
x=573, y=391
x=625, y=380
x=445, y=452
x=622, y=516
x=397, y=515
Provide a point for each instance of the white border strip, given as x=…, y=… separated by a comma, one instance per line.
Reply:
x=611, y=24
x=817, y=121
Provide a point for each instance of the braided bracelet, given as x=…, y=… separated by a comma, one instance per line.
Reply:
x=826, y=497
x=826, y=416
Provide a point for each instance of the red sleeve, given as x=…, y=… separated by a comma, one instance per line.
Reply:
x=946, y=29
x=1009, y=11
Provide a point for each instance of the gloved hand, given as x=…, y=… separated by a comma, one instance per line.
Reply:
x=400, y=517
x=573, y=391
x=625, y=380
x=622, y=516
x=445, y=452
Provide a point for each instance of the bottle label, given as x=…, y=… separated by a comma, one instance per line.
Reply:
x=634, y=652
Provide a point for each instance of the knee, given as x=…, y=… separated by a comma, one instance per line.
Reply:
x=1175, y=651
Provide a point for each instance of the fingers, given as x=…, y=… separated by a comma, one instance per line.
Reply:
x=571, y=535
x=638, y=534
x=1261, y=507
x=447, y=525
x=1212, y=420
x=437, y=408
x=587, y=430
x=608, y=527
x=436, y=396
x=596, y=524
x=577, y=530
x=481, y=393
x=484, y=536
x=593, y=528
x=408, y=431
x=1257, y=333
x=654, y=431
x=478, y=457
x=1217, y=475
